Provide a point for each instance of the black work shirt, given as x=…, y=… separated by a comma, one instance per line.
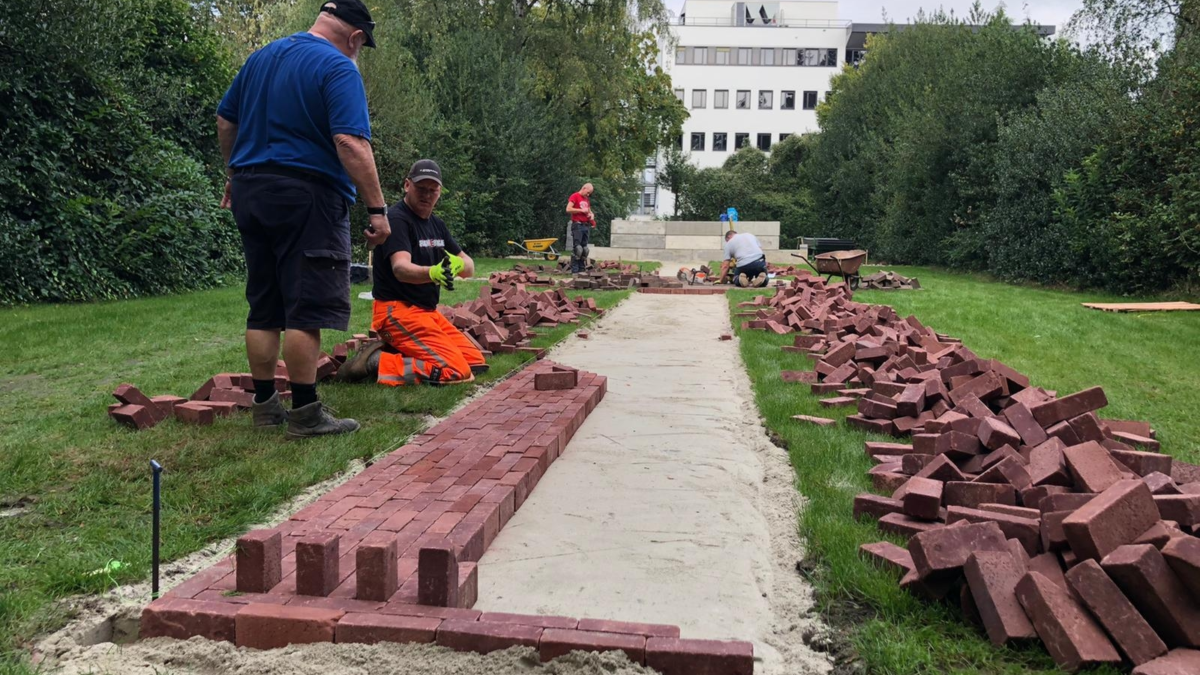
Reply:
x=427, y=240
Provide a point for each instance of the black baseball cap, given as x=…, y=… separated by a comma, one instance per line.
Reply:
x=355, y=13
x=425, y=169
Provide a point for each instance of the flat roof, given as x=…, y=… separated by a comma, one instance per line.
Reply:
x=860, y=31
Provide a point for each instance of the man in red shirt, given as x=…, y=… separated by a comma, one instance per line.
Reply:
x=582, y=222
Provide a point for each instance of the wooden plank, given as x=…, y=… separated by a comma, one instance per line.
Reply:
x=1144, y=306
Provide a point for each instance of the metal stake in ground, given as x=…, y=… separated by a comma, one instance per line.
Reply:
x=157, y=507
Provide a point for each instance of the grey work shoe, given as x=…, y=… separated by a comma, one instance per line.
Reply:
x=364, y=366
x=269, y=413
x=314, y=420
x=743, y=281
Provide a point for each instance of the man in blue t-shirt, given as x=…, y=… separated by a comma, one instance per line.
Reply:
x=295, y=134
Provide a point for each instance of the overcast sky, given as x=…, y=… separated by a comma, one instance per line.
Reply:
x=1046, y=12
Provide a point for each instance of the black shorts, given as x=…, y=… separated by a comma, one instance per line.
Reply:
x=296, y=236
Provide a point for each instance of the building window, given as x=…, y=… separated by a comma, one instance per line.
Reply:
x=810, y=100
x=789, y=57
x=743, y=99
x=681, y=55
x=740, y=141
x=648, y=197
x=855, y=56
x=743, y=56
x=829, y=58
x=679, y=95
x=764, y=142
x=722, y=56
x=679, y=142
x=698, y=142
x=698, y=96
x=767, y=57
x=721, y=98
x=719, y=142
x=783, y=137
x=787, y=100
x=700, y=55
x=766, y=99
x=820, y=58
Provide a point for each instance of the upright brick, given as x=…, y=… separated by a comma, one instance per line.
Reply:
x=923, y=498
x=992, y=577
x=1072, y=637
x=437, y=577
x=317, y=570
x=259, y=557
x=1113, y=518
x=673, y=656
x=377, y=568
x=1048, y=465
x=1115, y=612
x=267, y=626
x=1021, y=420
x=1143, y=574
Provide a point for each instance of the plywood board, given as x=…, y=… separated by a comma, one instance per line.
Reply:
x=1144, y=306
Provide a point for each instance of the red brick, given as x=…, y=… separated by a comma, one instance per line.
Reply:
x=942, y=469
x=131, y=395
x=1093, y=469
x=194, y=413
x=182, y=619
x=1072, y=637
x=317, y=571
x=957, y=445
x=992, y=577
x=1017, y=511
x=838, y=402
x=1143, y=574
x=1008, y=471
x=241, y=398
x=673, y=656
x=1068, y=501
x=1048, y=465
x=1058, y=410
x=875, y=448
x=219, y=408
x=541, y=621
x=1176, y=662
x=1183, y=509
x=437, y=574
x=166, y=404
x=1021, y=420
x=1182, y=553
x=410, y=609
x=259, y=556
x=1159, y=534
x=1115, y=612
x=972, y=495
x=376, y=568
x=370, y=628
x=1111, y=519
x=134, y=416
x=798, y=376
x=886, y=480
x=889, y=555
x=995, y=434
x=555, y=381
x=818, y=421
x=900, y=524
x=940, y=554
x=628, y=628
x=1054, y=538
x=264, y=626
x=557, y=642
x=911, y=465
x=1143, y=463
x=876, y=506
x=1024, y=530
x=485, y=637
x=923, y=498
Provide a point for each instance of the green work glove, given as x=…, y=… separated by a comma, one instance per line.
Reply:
x=456, y=264
x=437, y=274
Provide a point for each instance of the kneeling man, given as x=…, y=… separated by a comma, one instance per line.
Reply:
x=751, y=262
x=419, y=346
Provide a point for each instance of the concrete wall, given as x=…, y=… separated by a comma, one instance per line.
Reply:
x=685, y=235
x=778, y=257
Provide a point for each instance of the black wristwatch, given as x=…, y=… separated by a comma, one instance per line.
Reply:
x=377, y=210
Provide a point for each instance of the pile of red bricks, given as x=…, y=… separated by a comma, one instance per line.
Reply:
x=603, y=281
x=787, y=271
x=520, y=275
x=889, y=281
x=391, y=555
x=502, y=318
x=222, y=395
x=1041, y=518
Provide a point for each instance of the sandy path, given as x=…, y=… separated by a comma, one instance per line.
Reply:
x=670, y=504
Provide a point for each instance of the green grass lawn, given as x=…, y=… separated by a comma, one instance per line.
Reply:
x=84, y=482
x=1145, y=362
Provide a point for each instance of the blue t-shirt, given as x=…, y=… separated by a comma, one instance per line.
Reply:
x=289, y=100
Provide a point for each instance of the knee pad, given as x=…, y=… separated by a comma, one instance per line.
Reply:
x=579, y=251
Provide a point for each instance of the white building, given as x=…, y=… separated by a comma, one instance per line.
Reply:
x=752, y=73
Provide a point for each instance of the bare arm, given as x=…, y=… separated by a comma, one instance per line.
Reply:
x=573, y=210
x=406, y=271
x=359, y=161
x=226, y=136
x=468, y=270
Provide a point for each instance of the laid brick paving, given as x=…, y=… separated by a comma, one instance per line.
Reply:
x=447, y=493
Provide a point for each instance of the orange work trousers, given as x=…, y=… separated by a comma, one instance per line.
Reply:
x=429, y=349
